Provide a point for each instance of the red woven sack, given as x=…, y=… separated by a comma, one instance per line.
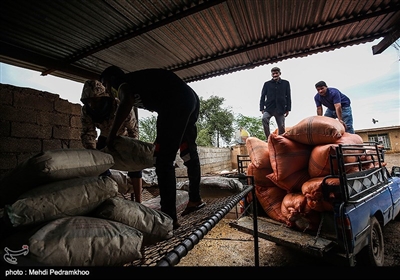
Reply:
x=316, y=130
x=260, y=175
x=312, y=190
x=291, y=183
x=270, y=199
x=319, y=166
x=287, y=156
x=297, y=213
x=258, y=152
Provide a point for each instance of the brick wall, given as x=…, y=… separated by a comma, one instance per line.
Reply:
x=33, y=121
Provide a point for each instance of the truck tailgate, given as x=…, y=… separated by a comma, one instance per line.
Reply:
x=279, y=233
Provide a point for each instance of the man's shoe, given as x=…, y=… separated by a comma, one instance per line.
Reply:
x=176, y=225
x=193, y=206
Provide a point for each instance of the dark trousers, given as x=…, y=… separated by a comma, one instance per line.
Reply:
x=177, y=130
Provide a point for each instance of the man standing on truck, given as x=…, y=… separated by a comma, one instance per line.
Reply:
x=275, y=101
x=178, y=108
x=338, y=105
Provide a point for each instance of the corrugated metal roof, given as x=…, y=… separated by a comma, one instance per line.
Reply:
x=78, y=39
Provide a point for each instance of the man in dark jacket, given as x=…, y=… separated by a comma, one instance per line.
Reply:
x=177, y=106
x=275, y=101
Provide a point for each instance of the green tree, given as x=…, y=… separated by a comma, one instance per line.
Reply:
x=252, y=124
x=215, y=123
x=148, y=129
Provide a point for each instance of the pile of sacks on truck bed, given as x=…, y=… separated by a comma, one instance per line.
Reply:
x=289, y=170
x=58, y=205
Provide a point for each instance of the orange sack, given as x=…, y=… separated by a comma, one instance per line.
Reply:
x=312, y=190
x=270, y=199
x=260, y=175
x=291, y=183
x=287, y=156
x=258, y=152
x=319, y=166
x=316, y=130
x=297, y=214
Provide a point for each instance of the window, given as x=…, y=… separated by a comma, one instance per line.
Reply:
x=382, y=139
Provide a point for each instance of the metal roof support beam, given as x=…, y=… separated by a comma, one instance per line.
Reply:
x=387, y=41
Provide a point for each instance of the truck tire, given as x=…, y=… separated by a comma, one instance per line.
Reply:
x=373, y=253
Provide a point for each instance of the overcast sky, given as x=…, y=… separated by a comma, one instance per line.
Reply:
x=372, y=82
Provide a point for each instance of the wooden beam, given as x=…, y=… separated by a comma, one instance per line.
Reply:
x=387, y=41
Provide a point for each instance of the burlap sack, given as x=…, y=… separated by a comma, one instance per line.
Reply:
x=52, y=166
x=319, y=163
x=293, y=205
x=131, y=154
x=260, y=175
x=85, y=241
x=270, y=199
x=71, y=197
x=182, y=198
x=123, y=181
x=216, y=186
x=316, y=130
x=258, y=152
x=155, y=225
x=287, y=156
x=297, y=213
x=312, y=190
x=291, y=183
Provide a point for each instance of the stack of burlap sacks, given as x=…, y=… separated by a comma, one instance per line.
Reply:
x=56, y=203
x=289, y=169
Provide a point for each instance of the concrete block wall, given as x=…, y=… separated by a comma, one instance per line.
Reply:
x=33, y=121
x=212, y=160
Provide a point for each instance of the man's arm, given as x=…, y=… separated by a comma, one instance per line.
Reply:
x=132, y=125
x=288, y=100
x=125, y=106
x=319, y=111
x=262, y=98
x=338, y=109
x=88, y=132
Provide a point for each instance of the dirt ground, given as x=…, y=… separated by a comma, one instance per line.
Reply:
x=225, y=246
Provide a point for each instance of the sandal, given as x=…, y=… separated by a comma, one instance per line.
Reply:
x=190, y=209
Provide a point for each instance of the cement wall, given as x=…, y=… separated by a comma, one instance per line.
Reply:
x=33, y=121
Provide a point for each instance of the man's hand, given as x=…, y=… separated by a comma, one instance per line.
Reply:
x=110, y=142
x=342, y=122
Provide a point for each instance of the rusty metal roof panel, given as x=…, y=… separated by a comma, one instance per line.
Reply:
x=77, y=39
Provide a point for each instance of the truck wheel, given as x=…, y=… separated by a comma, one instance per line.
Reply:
x=373, y=253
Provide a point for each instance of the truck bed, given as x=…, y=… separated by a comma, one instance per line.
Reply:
x=279, y=233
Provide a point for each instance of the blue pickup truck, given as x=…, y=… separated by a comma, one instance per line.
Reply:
x=366, y=199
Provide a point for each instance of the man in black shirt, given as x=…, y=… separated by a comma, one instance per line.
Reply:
x=275, y=101
x=177, y=106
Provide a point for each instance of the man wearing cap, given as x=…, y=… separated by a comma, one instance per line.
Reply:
x=275, y=101
x=98, y=113
x=337, y=105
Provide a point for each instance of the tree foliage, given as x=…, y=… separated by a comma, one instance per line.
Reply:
x=253, y=125
x=148, y=129
x=215, y=123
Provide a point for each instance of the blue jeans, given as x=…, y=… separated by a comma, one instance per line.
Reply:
x=346, y=115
